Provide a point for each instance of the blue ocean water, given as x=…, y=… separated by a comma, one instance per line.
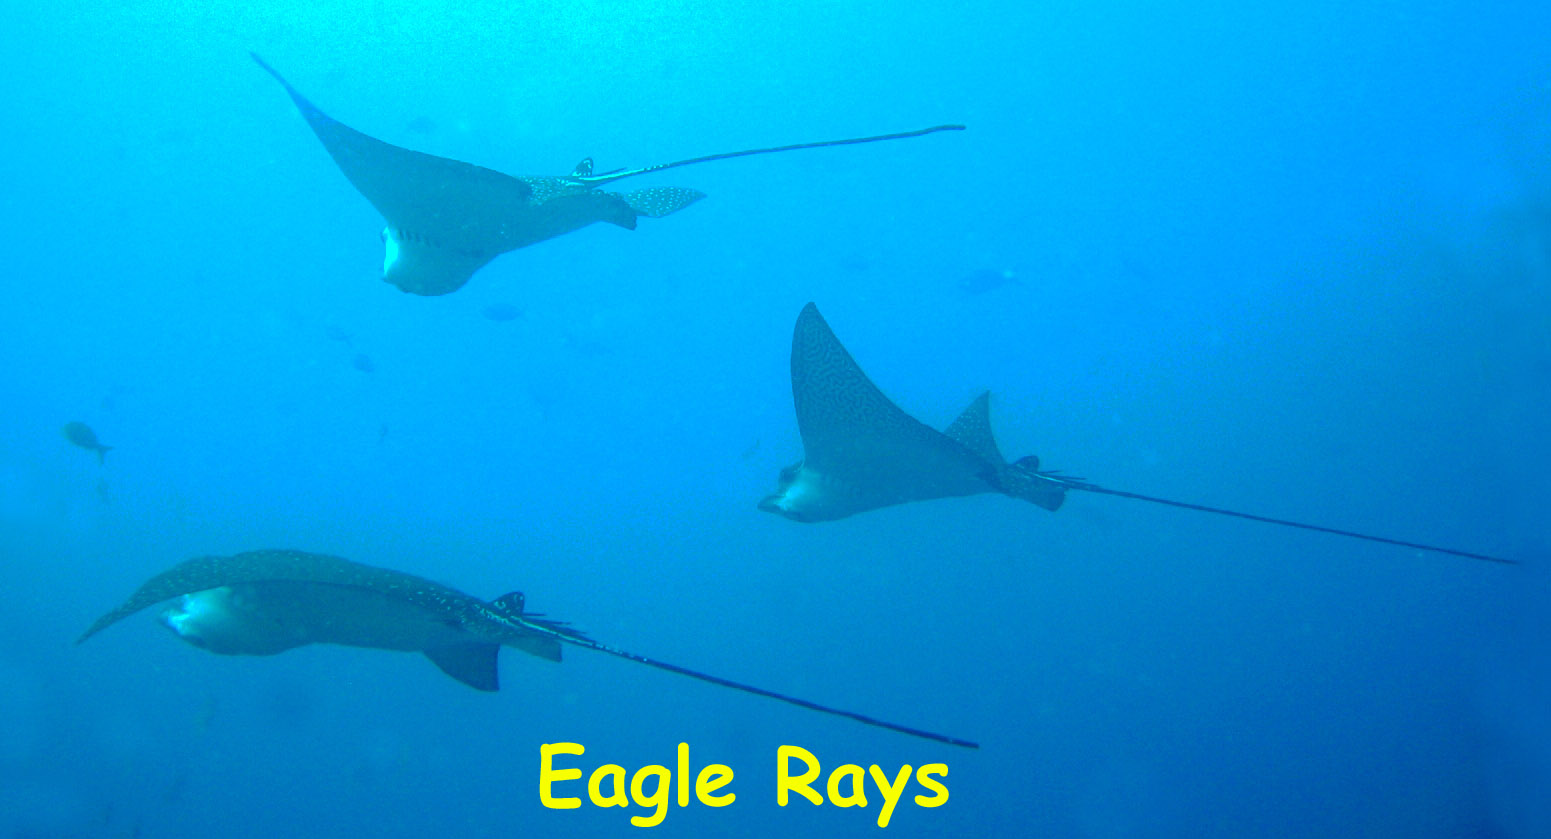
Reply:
x=1295, y=261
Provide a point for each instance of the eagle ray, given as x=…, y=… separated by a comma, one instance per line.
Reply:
x=447, y=219
x=266, y=602
x=862, y=452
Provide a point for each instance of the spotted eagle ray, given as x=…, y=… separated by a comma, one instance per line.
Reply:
x=446, y=219
x=267, y=602
x=862, y=452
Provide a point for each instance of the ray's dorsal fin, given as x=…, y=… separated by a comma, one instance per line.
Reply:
x=661, y=201
x=510, y=604
x=544, y=646
x=472, y=664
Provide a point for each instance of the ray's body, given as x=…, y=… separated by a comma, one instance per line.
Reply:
x=446, y=219
x=861, y=452
x=267, y=602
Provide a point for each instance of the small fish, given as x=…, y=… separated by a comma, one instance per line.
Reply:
x=334, y=333
x=81, y=434
x=363, y=362
x=987, y=279
x=110, y=402
x=501, y=312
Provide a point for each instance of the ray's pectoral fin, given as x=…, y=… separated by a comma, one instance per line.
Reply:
x=538, y=645
x=420, y=265
x=661, y=201
x=446, y=218
x=472, y=664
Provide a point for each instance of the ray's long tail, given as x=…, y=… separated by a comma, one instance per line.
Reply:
x=1079, y=484
x=607, y=177
x=566, y=635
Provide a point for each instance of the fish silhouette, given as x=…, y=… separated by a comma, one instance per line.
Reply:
x=266, y=602
x=861, y=452
x=986, y=279
x=501, y=312
x=446, y=219
x=81, y=434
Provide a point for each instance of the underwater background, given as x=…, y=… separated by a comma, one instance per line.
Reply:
x=1295, y=261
